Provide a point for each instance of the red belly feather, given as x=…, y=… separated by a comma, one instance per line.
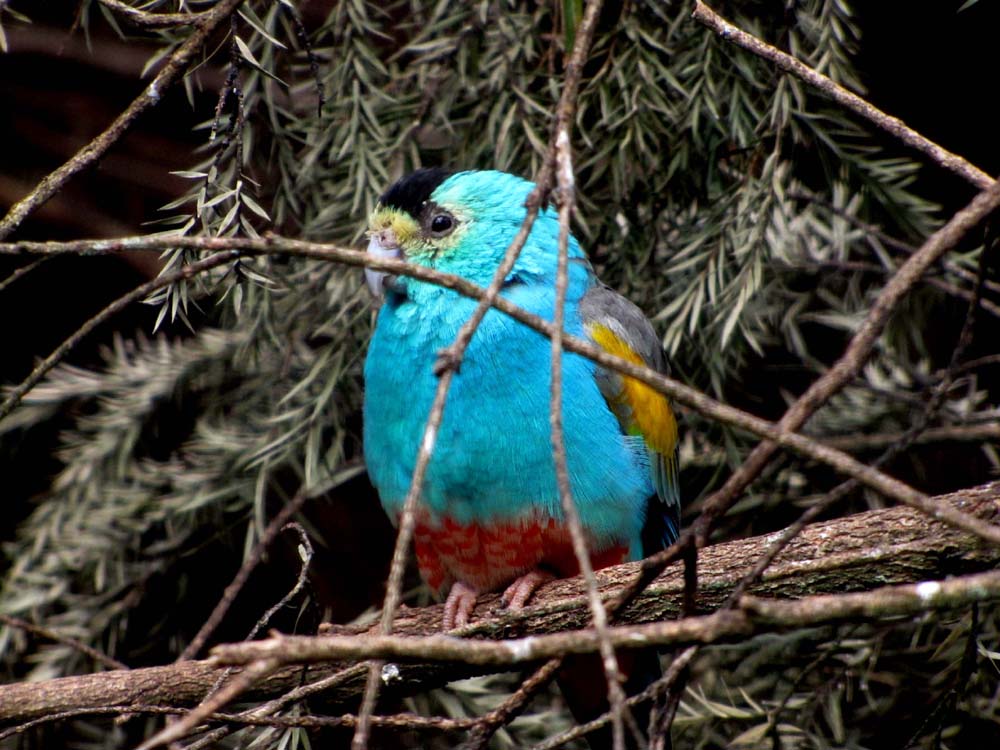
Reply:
x=488, y=557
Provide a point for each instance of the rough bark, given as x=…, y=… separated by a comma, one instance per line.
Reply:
x=857, y=553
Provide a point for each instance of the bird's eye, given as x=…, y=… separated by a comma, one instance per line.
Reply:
x=441, y=223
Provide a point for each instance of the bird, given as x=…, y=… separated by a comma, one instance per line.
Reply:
x=488, y=515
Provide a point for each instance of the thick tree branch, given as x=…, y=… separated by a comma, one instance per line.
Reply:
x=853, y=554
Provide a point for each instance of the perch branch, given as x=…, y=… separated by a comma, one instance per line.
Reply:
x=861, y=552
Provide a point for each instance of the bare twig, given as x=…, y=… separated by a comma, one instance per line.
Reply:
x=52, y=635
x=17, y=273
x=679, y=392
x=151, y=95
x=487, y=725
x=15, y=395
x=653, y=691
x=396, y=721
x=893, y=125
x=567, y=196
x=307, y=554
x=271, y=707
x=250, y=675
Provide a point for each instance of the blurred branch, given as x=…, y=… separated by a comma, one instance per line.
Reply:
x=146, y=20
x=857, y=553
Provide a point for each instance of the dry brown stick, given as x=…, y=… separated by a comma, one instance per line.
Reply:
x=959, y=432
x=242, y=682
x=151, y=95
x=681, y=393
x=653, y=691
x=892, y=125
x=15, y=394
x=300, y=583
x=567, y=196
x=270, y=533
x=488, y=724
x=295, y=695
x=396, y=721
x=891, y=546
x=52, y=635
x=147, y=20
x=18, y=273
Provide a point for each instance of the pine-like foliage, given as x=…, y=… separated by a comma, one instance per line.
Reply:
x=734, y=205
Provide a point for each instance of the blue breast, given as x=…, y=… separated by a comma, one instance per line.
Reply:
x=493, y=454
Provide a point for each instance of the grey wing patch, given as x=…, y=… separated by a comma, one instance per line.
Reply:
x=603, y=306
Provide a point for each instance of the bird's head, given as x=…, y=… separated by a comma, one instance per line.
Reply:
x=459, y=223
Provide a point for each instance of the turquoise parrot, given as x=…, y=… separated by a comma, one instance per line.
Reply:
x=489, y=516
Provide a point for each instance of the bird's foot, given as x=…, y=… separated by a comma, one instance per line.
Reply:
x=517, y=594
x=459, y=605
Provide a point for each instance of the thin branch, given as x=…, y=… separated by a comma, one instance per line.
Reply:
x=893, y=125
x=487, y=725
x=243, y=681
x=52, y=635
x=24, y=270
x=271, y=707
x=567, y=196
x=690, y=397
x=15, y=394
x=752, y=615
x=151, y=95
x=650, y=693
x=271, y=532
x=395, y=721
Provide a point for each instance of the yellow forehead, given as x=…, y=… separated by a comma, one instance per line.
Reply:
x=411, y=235
x=404, y=226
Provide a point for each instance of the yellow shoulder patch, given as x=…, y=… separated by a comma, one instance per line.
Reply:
x=652, y=416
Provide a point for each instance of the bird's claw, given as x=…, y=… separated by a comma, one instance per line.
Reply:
x=518, y=593
x=459, y=605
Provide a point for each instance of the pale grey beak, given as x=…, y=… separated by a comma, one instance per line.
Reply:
x=381, y=245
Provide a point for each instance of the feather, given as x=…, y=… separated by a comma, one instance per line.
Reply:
x=620, y=328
